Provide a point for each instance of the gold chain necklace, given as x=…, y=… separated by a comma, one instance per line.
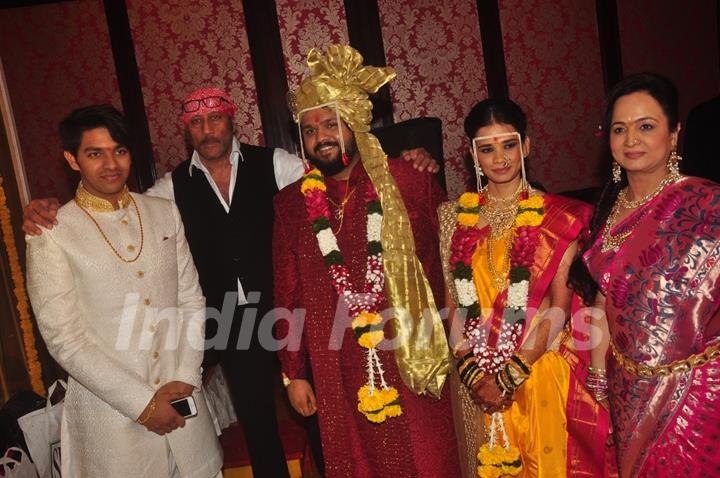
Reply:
x=614, y=241
x=340, y=208
x=507, y=200
x=107, y=241
x=627, y=204
x=499, y=278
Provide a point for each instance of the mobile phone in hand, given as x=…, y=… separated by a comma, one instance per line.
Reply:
x=185, y=407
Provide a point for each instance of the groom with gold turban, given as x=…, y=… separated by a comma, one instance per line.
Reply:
x=355, y=246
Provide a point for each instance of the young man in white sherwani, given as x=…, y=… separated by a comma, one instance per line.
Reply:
x=117, y=300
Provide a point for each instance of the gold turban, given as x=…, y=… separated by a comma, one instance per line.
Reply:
x=339, y=76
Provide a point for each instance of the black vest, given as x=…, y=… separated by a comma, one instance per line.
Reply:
x=238, y=244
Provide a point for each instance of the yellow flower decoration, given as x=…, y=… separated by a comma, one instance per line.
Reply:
x=497, y=461
x=469, y=200
x=489, y=471
x=371, y=339
x=467, y=219
x=311, y=183
x=533, y=202
x=393, y=411
x=18, y=278
x=528, y=218
x=366, y=318
x=379, y=406
x=378, y=417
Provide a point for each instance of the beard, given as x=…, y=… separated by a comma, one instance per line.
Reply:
x=332, y=165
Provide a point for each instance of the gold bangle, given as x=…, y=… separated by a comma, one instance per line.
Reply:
x=466, y=364
x=522, y=362
x=471, y=376
x=476, y=378
x=149, y=414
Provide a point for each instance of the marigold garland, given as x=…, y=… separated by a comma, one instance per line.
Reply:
x=23, y=308
x=495, y=461
x=377, y=403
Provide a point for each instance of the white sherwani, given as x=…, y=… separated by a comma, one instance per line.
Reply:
x=122, y=330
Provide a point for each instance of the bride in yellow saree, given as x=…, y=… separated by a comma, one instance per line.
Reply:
x=506, y=251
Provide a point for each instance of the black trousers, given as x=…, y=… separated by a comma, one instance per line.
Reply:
x=251, y=374
x=312, y=427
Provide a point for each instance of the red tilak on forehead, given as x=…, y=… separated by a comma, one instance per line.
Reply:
x=495, y=139
x=317, y=116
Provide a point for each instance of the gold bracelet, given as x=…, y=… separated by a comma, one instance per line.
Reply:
x=149, y=414
x=515, y=374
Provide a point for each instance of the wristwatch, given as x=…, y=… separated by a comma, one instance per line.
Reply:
x=286, y=380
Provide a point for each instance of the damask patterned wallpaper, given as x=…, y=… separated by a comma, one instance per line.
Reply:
x=56, y=58
x=435, y=49
x=554, y=72
x=306, y=24
x=671, y=38
x=182, y=45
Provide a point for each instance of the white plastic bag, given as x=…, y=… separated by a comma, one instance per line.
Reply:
x=217, y=394
x=42, y=434
x=20, y=467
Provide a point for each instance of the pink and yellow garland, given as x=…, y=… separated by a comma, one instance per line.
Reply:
x=377, y=403
x=18, y=279
x=495, y=461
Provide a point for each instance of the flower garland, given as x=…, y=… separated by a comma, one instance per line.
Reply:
x=377, y=403
x=495, y=460
x=18, y=279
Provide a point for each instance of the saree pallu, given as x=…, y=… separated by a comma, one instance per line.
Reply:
x=662, y=289
x=536, y=422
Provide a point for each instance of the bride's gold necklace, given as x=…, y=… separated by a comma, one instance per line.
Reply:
x=500, y=212
x=500, y=215
x=499, y=219
x=500, y=278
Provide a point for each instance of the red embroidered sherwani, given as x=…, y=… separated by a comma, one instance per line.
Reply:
x=421, y=442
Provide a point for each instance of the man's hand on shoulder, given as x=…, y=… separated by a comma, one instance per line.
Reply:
x=40, y=212
x=421, y=160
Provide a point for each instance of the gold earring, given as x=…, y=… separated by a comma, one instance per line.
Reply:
x=478, y=177
x=673, y=163
x=616, y=172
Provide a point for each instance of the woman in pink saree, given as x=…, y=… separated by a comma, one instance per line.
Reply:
x=653, y=264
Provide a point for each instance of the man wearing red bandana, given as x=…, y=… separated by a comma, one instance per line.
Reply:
x=356, y=261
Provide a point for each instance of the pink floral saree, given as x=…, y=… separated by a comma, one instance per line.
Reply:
x=662, y=288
